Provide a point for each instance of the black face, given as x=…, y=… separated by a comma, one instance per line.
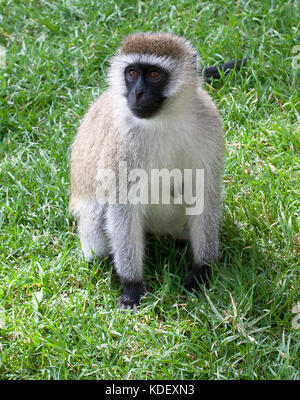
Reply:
x=145, y=84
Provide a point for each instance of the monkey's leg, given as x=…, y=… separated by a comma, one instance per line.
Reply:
x=204, y=239
x=93, y=240
x=125, y=230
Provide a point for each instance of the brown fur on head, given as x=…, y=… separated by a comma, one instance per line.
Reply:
x=158, y=44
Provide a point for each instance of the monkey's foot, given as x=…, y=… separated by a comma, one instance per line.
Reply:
x=130, y=297
x=199, y=274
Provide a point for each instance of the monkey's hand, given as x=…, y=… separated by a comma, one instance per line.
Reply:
x=132, y=292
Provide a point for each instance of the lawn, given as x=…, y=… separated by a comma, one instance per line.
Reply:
x=58, y=314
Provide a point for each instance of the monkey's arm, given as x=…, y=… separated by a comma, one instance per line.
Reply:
x=125, y=230
x=214, y=72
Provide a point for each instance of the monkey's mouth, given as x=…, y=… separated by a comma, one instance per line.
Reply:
x=147, y=110
x=143, y=112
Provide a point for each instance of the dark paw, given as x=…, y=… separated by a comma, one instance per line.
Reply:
x=130, y=297
x=198, y=275
x=126, y=303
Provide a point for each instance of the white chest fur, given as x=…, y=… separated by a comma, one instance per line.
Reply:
x=170, y=146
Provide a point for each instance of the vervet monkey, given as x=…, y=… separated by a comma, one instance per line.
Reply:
x=154, y=115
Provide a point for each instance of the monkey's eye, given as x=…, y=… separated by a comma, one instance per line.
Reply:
x=154, y=75
x=132, y=73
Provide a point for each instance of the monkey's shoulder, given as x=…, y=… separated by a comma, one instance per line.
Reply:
x=98, y=115
x=95, y=130
x=207, y=114
x=205, y=102
x=94, y=146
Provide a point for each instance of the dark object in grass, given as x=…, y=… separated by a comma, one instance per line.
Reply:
x=198, y=275
x=215, y=71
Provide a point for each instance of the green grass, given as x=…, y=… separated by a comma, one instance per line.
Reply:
x=58, y=315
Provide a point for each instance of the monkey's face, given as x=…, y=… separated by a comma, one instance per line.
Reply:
x=145, y=85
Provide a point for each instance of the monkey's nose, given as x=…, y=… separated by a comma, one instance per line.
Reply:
x=140, y=97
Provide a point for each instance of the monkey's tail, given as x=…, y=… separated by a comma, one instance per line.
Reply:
x=215, y=72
